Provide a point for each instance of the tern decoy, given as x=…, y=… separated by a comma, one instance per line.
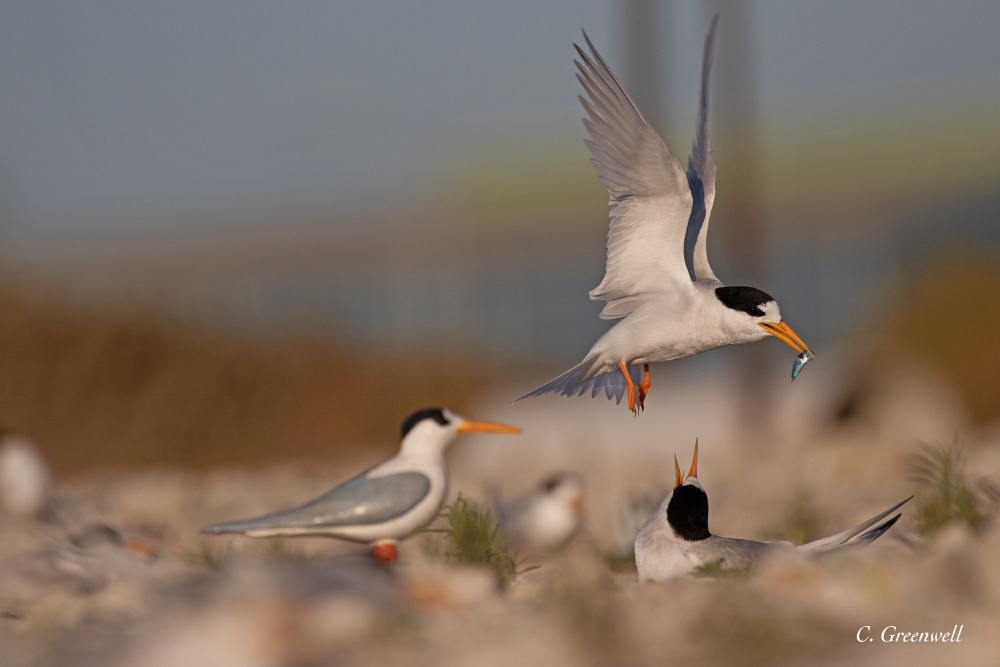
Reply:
x=657, y=275
x=384, y=504
x=546, y=519
x=675, y=540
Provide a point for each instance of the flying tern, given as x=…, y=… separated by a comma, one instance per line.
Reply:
x=384, y=504
x=657, y=276
x=546, y=519
x=675, y=540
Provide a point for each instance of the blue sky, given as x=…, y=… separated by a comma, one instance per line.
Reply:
x=110, y=107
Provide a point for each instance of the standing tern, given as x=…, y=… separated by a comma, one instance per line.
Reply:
x=545, y=520
x=384, y=504
x=675, y=540
x=657, y=277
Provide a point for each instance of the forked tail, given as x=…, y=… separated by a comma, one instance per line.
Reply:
x=860, y=535
x=582, y=378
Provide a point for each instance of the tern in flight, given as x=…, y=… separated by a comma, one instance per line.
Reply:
x=385, y=504
x=657, y=278
x=675, y=540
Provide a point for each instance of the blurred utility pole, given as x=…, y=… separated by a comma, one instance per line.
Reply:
x=643, y=37
x=738, y=218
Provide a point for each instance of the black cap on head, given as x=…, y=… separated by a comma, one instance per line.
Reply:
x=437, y=414
x=687, y=513
x=744, y=299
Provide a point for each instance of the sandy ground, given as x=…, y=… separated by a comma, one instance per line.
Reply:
x=117, y=574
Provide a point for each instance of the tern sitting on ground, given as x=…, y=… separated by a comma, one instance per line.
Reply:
x=675, y=540
x=385, y=504
x=545, y=520
x=657, y=277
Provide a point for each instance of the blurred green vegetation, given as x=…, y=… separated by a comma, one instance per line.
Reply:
x=619, y=562
x=948, y=317
x=945, y=496
x=500, y=183
x=813, y=160
x=472, y=535
x=715, y=570
x=109, y=389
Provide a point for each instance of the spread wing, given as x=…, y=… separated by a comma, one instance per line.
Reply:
x=361, y=500
x=649, y=194
x=701, y=179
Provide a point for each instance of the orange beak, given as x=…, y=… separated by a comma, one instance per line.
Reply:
x=693, y=472
x=784, y=333
x=468, y=426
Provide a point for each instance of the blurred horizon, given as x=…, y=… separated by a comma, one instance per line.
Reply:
x=229, y=164
x=407, y=186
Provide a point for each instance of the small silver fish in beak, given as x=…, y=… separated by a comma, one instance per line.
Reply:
x=804, y=358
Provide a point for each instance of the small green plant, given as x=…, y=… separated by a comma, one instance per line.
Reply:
x=800, y=522
x=944, y=496
x=714, y=569
x=472, y=535
x=207, y=556
x=621, y=562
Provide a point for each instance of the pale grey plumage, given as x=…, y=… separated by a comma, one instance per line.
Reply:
x=859, y=535
x=732, y=553
x=578, y=380
x=360, y=500
x=661, y=552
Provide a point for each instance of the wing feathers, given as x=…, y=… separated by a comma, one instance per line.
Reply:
x=850, y=536
x=701, y=178
x=649, y=193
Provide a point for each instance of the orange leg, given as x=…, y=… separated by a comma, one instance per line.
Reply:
x=644, y=386
x=630, y=385
x=384, y=552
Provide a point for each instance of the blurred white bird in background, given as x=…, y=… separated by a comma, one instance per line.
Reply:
x=657, y=277
x=25, y=478
x=546, y=519
x=385, y=504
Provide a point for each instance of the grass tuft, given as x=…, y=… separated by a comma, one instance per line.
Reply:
x=945, y=496
x=472, y=535
x=208, y=556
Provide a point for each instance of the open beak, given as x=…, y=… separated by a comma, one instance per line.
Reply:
x=693, y=472
x=784, y=333
x=678, y=477
x=468, y=426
